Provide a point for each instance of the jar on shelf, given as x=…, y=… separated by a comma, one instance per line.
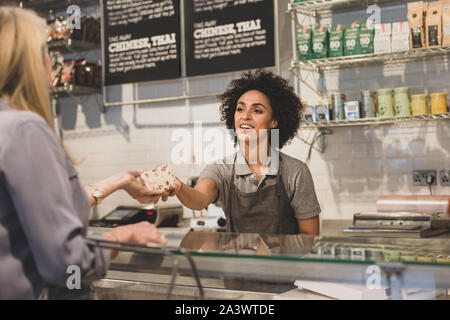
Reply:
x=419, y=105
x=385, y=108
x=337, y=106
x=438, y=103
x=402, y=102
x=368, y=106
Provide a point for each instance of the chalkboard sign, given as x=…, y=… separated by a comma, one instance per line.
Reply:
x=228, y=35
x=141, y=40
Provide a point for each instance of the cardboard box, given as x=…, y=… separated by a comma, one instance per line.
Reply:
x=309, y=113
x=323, y=111
x=352, y=110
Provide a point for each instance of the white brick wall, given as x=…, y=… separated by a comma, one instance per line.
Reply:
x=359, y=164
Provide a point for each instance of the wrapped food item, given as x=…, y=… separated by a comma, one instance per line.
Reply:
x=61, y=29
x=67, y=74
x=160, y=178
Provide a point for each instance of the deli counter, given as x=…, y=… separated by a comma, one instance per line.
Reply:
x=221, y=265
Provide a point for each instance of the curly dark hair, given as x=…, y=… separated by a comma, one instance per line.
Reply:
x=286, y=105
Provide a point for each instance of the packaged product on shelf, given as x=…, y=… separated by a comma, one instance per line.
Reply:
x=67, y=74
x=90, y=30
x=336, y=46
x=400, y=37
x=368, y=106
x=434, y=24
x=352, y=110
x=402, y=102
x=320, y=42
x=61, y=28
x=337, y=106
x=382, y=40
x=304, y=44
x=366, y=36
x=446, y=23
x=416, y=25
x=56, y=75
x=438, y=103
x=385, y=105
x=351, y=39
x=57, y=67
x=51, y=32
x=322, y=109
x=419, y=105
x=309, y=113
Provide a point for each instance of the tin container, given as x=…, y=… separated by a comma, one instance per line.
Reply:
x=402, y=102
x=368, y=106
x=438, y=103
x=385, y=107
x=419, y=105
x=337, y=106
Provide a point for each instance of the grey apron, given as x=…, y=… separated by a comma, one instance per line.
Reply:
x=266, y=211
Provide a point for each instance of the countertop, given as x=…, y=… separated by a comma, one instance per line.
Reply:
x=332, y=228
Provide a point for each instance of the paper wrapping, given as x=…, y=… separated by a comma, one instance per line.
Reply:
x=158, y=179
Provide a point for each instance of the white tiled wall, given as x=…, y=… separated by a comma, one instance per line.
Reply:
x=358, y=165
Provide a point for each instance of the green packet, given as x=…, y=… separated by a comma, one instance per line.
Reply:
x=351, y=39
x=304, y=44
x=320, y=42
x=367, y=36
x=336, y=41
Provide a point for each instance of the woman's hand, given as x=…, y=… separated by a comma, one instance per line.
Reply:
x=138, y=190
x=172, y=192
x=128, y=181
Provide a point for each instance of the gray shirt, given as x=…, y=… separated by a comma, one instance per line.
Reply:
x=43, y=210
x=295, y=175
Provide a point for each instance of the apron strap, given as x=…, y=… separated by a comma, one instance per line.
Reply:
x=230, y=195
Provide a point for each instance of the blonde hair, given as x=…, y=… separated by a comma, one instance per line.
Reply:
x=23, y=79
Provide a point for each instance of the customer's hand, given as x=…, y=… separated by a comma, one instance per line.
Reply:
x=138, y=190
x=142, y=232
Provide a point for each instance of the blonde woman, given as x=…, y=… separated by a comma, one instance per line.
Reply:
x=43, y=207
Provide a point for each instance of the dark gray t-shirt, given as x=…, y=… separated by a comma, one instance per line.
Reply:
x=296, y=177
x=43, y=210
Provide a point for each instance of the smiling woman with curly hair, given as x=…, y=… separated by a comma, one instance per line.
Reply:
x=261, y=189
x=286, y=106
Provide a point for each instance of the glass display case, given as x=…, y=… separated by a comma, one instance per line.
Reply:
x=219, y=265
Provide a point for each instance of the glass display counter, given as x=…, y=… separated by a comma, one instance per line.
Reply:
x=218, y=265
